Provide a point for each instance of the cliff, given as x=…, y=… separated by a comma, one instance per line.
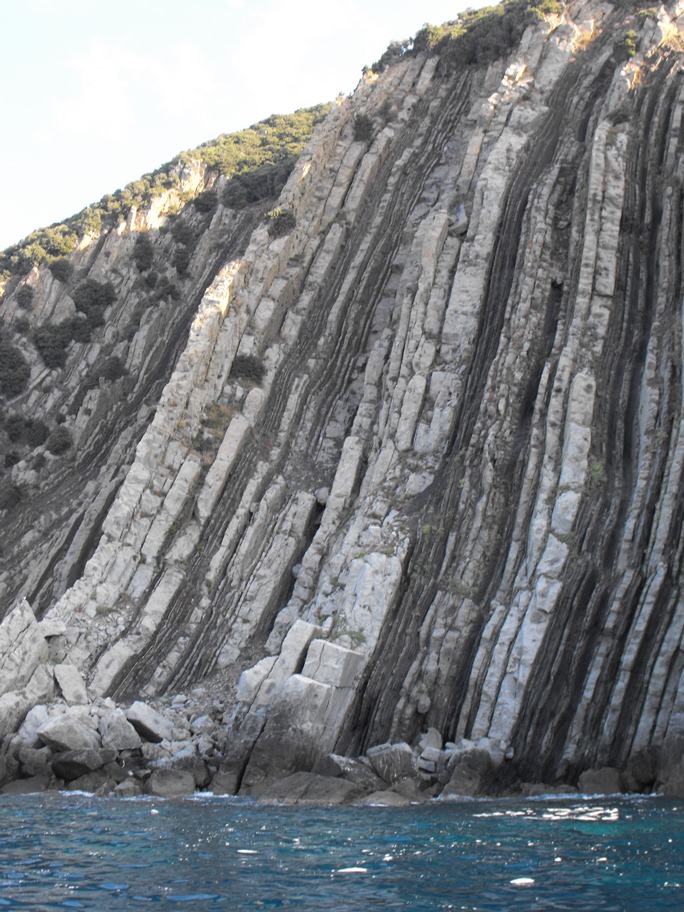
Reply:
x=406, y=454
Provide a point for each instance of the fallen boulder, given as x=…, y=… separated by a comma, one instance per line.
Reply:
x=70, y=682
x=605, y=780
x=149, y=724
x=66, y=733
x=392, y=762
x=470, y=772
x=170, y=783
x=117, y=732
x=72, y=764
x=310, y=788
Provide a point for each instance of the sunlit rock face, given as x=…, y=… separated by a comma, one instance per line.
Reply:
x=415, y=460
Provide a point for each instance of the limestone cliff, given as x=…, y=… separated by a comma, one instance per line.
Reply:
x=409, y=453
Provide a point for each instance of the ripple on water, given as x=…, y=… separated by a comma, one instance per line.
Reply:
x=61, y=851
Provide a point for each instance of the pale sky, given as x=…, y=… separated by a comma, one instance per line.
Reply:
x=98, y=92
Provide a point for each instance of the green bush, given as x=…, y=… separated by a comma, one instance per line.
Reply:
x=363, y=128
x=59, y=441
x=143, y=252
x=92, y=295
x=111, y=369
x=264, y=182
x=14, y=427
x=181, y=260
x=32, y=431
x=24, y=296
x=183, y=233
x=14, y=369
x=280, y=222
x=247, y=367
x=626, y=47
x=276, y=141
x=10, y=494
x=62, y=270
x=37, y=432
x=206, y=202
x=52, y=340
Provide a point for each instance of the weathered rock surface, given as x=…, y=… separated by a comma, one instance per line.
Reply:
x=148, y=723
x=166, y=783
x=453, y=501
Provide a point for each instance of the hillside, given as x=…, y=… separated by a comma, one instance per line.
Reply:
x=391, y=461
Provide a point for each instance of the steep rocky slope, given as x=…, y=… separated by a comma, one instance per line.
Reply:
x=409, y=455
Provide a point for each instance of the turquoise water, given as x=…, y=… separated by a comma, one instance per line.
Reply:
x=77, y=852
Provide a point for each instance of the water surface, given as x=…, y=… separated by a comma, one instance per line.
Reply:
x=77, y=852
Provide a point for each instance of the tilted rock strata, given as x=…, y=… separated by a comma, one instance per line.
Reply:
x=454, y=501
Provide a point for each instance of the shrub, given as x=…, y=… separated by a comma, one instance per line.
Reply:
x=206, y=202
x=25, y=296
x=264, y=182
x=181, y=260
x=14, y=369
x=166, y=289
x=143, y=252
x=363, y=128
x=111, y=369
x=183, y=233
x=10, y=495
x=31, y=431
x=90, y=295
x=14, y=426
x=79, y=329
x=22, y=326
x=52, y=340
x=59, y=441
x=626, y=47
x=37, y=432
x=62, y=270
x=248, y=367
x=280, y=222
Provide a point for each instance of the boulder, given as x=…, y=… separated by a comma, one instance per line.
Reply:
x=188, y=760
x=71, y=683
x=225, y=782
x=392, y=761
x=26, y=786
x=95, y=781
x=350, y=769
x=117, y=732
x=601, y=781
x=74, y=763
x=170, y=783
x=385, y=798
x=35, y=761
x=22, y=647
x=28, y=729
x=310, y=788
x=129, y=788
x=67, y=733
x=470, y=773
x=672, y=782
x=643, y=766
x=149, y=724
x=430, y=739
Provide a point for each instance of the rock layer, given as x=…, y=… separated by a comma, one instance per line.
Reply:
x=454, y=499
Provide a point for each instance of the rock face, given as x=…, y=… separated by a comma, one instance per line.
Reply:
x=416, y=464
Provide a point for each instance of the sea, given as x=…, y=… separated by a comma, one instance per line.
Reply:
x=72, y=851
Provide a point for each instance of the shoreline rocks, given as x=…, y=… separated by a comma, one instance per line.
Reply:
x=174, y=751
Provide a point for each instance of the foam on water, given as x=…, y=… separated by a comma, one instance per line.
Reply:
x=76, y=852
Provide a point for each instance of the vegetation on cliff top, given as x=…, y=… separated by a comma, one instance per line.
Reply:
x=258, y=160
x=477, y=36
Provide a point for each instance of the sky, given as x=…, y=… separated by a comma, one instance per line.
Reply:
x=99, y=92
